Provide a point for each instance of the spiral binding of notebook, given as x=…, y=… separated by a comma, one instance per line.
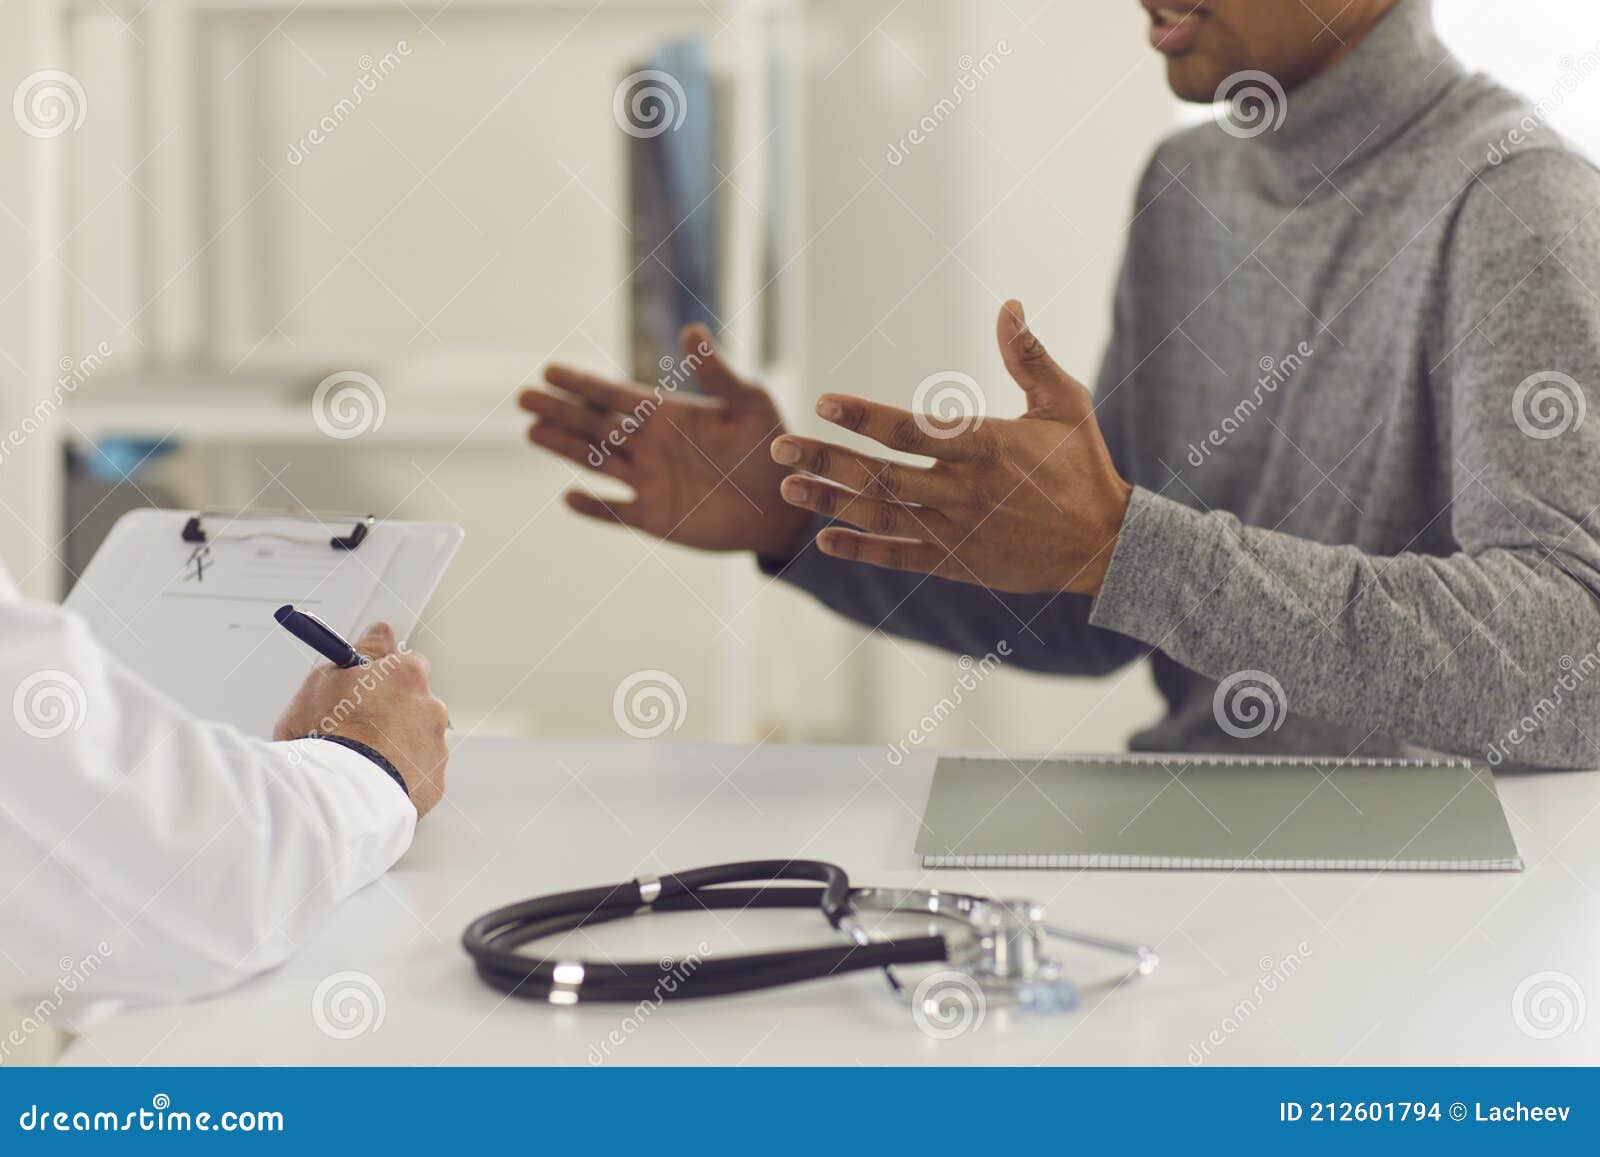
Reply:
x=1217, y=812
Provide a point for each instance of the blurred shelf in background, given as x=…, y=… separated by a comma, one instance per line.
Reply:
x=437, y=196
x=191, y=417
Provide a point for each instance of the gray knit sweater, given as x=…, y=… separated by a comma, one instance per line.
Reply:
x=1347, y=376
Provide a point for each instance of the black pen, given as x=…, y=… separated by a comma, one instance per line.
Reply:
x=324, y=640
x=320, y=637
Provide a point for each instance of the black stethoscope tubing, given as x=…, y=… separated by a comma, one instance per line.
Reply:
x=494, y=939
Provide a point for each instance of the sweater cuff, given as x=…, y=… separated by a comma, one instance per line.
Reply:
x=371, y=753
x=1165, y=564
x=805, y=568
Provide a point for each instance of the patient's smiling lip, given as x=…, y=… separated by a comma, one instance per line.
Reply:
x=1174, y=28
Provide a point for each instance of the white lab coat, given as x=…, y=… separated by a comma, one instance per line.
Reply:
x=146, y=855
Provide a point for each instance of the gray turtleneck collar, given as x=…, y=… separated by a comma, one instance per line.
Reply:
x=1361, y=104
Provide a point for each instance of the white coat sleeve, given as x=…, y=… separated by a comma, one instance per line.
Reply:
x=146, y=855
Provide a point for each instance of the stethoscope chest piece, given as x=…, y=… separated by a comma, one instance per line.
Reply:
x=1001, y=945
x=1012, y=963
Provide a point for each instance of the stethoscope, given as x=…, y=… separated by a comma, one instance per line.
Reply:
x=1000, y=945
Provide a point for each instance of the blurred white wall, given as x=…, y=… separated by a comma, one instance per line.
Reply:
x=507, y=250
x=1549, y=50
x=28, y=532
x=464, y=224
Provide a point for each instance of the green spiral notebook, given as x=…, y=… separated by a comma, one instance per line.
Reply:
x=1168, y=811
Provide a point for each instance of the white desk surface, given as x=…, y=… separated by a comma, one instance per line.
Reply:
x=1395, y=968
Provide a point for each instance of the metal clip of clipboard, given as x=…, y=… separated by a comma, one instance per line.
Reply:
x=195, y=529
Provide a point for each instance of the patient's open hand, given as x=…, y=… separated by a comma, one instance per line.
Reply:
x=386, y=705
x=698, y=463
x=1026, y=505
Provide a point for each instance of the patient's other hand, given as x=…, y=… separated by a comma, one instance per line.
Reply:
x=698, y=463
x=386, y=705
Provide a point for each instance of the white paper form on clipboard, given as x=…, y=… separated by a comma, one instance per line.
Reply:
x=186, y=599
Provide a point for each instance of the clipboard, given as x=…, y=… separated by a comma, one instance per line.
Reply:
x=185, y=598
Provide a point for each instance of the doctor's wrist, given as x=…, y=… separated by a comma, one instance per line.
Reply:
x=369, y=752
x=411, y=741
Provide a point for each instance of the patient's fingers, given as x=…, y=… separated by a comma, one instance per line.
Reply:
x=612, y=395
x=861, y=472
x=898, y=429
x=595, y=425
x=711, y=373
x=890, y=518
x=596, y=455
x=890, y=553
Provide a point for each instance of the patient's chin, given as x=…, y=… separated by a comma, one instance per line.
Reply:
x=1194, y=77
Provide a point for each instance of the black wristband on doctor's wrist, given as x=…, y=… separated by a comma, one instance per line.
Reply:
x=373, y=754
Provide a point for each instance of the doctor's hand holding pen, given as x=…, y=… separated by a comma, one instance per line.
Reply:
x=698, y=463
x=385, y=705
